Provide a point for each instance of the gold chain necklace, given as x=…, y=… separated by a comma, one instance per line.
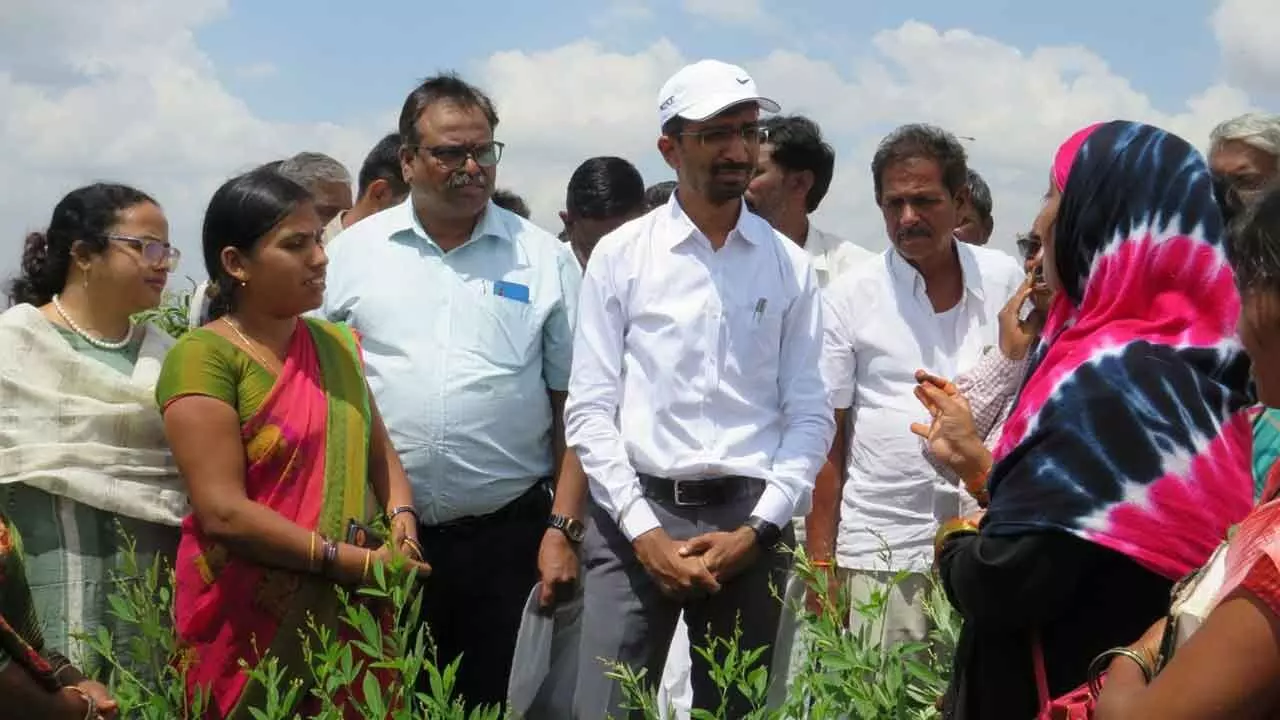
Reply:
x=247, y=345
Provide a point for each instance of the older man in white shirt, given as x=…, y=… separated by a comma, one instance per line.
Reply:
x=695, y=402
x=929, y=302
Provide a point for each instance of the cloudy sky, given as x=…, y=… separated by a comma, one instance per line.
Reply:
x=174, y=97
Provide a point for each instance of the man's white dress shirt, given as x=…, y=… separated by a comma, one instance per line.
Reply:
x=832, y=255
x=881, y=328
x=690, y=362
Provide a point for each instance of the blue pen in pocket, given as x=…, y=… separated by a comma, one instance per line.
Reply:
x=511, y=291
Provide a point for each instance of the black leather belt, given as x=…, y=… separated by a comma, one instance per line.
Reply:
x=699, y=492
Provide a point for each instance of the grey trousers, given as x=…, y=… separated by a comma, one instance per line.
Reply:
x=627, y=619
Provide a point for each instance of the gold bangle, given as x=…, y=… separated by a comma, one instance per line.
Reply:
x=364, y=574
x=950, y=529
x=826, y=564
x=1099, y=665
x=311, y=554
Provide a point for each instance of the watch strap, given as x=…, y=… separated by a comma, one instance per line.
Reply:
x=767, y=533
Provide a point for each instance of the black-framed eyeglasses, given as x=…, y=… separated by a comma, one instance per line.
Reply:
x=155, y=253
x=453, y=157
x=1028, y=246
x=752, y=134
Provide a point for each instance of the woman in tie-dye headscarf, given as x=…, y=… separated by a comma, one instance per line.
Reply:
x=1126, y=457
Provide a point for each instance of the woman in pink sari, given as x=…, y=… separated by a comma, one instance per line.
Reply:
x=284, y=453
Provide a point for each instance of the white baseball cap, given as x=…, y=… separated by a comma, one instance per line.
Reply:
x=705, y=88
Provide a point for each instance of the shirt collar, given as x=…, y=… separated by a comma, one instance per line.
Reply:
x=491, y=224
x=904, y=272
x=679, y=228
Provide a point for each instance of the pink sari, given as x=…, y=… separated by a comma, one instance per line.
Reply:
x=307, y=449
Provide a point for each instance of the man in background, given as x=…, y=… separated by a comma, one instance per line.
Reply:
x=512, y=202
x=380, y=185
x=976, y=221
x=325, y=178
x=793, y=174
x=603, y=193
x=658, y=194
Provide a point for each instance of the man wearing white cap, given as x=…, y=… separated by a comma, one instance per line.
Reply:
x=695, y=402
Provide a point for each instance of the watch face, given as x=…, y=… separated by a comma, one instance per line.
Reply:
x=574, y=529
x=571, y=528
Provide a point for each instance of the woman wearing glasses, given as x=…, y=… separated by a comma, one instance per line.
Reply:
x=82, y=446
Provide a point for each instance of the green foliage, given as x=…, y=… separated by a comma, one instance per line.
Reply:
x=171, y=314
x=846, y=674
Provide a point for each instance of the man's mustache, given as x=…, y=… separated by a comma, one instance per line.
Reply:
x=915, y=231
x=731, y=167
x=462, y=179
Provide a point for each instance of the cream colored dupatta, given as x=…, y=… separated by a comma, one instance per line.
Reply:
x=73, y=427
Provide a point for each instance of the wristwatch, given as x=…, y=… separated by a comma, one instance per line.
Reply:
x=767, y=534
x=572, y=529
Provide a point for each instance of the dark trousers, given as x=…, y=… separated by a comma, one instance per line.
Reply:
x=627, y=619
x=483, y=569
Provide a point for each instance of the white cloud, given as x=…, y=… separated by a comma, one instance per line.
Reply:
x=1250, y=41
x=120, y=91
x=743, y=12
x=125, y=93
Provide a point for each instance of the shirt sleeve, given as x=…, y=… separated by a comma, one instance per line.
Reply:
x=558, y=330
x=839, y=365
x=197, y=366
x=989, y=387
x=591, y=410
x=807, y=421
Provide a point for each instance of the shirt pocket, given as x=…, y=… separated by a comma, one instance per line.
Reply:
x=505, y=330
x=754, y=332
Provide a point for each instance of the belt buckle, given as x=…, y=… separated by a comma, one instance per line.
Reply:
x=677, y=494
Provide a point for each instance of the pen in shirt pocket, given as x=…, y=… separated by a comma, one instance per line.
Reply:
x=759, y=311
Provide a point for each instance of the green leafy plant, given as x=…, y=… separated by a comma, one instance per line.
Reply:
x=171, y=314
x=375, y=656
x=846, y=674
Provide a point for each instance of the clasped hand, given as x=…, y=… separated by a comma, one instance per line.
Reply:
x=701, y=563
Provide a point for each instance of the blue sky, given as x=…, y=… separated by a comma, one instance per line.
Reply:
x=174, y=97
x=321, y=74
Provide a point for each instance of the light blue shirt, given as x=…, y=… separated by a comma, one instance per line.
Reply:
x=461, y=349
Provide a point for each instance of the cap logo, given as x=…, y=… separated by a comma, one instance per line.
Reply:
x=667, y=103
x=743, y=81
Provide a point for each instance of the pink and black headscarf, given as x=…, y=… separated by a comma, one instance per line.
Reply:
x=1132, y=429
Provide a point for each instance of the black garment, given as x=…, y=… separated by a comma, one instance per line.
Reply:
x=482, y=570
x=1080, y=597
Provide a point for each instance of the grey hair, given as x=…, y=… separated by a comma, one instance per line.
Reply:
x=1257, y=130
x=309, y=168
x=929, y=142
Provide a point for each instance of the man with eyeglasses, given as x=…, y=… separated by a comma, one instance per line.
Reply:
x=466, y=312
x=695, y=405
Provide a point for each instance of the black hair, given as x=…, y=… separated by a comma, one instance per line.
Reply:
x=445, y=87
x=979, y=196
x=603, y=188
x=796, y=145
x=659, y=193
x=86, y=215
x=921, y=141
x=240, y=214
x=383, y=163
x=673, y=127
x=508, y=200
x=1254, y=243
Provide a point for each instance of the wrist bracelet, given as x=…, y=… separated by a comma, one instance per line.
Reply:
x=401, y=509
x=825, y=564
x=950, y=529
x=311, y=554
x=91, y=710
x=977, y=488
x=1099, y=665
x=416, y=547
x=364, y=573
x=329, y=556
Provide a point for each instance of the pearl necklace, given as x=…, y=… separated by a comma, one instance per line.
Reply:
x=94, y=341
